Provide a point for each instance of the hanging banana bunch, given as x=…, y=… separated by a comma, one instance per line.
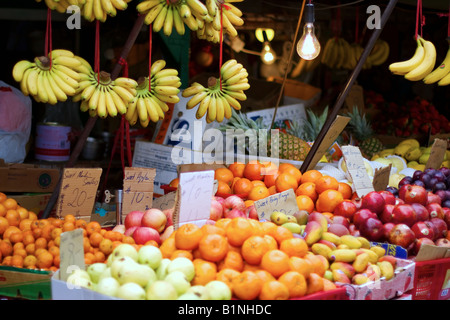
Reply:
x=50, y=80
x=217, y=99
x=62, y=5
x=153, y=94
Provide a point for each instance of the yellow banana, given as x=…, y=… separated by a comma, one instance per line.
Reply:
x=234, y=19
x=32, y=81
x=234, y=103
x=167, y=81
x=88, y=92
x=125, y=82
x=192, y=90
x=226, y=108
x=168, y=22
x=23, y=83
x=427, y=64
x=212, y=108
x=220, y=109
x=41, y=91
x=19, y=69
x=93, y=101
x=178, y=22
x=153, y=13
x=157, y=66
x=440, y=72
x=151, y=109
x=166, y=90
x=403, y=67
x=197, y=6
x=145, y=6
x=203, y=107
x=168, y=99
x=126, y=96
x=445, y=81
x=88, y=10
x=231, y=71
x=196, y=99
x=211, y=6
x=131, y=110
x=52, y=99
x=228, y=26
x=59, y=93
x=142, y=109
x=239, y=95
x=68, y=72
x=238, y=86
x=160, y=19
x=184, y=11
x=120, y=104
x=191, y=22
x=119, y=4
x=65, y=77
x=161, y=107
x=84, y=106
x=102, y=109
x=234, y=9
x=166, y=73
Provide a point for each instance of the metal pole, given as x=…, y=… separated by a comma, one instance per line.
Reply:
x=343, y=95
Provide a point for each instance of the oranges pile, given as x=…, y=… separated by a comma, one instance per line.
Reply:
x=256, y=180
x=29, y=242
x=257, y=260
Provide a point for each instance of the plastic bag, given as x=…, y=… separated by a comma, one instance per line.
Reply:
x=15, y=123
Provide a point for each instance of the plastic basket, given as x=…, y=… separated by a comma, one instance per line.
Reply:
x=429, y=280
x=339, y=293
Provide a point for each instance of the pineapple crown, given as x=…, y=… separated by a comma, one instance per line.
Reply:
x=309, y=128
x=359, y=126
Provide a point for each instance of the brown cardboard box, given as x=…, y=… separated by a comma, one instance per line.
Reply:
x=27, y=178
x=34, y=202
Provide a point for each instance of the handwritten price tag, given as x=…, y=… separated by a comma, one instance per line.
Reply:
x=283, y=202
x=194, y=198
x=381, y=178
x=78, y=191
x=357, y=170
x=71, y=253
x=437, y=154
x=137, y=189
x=166, y=201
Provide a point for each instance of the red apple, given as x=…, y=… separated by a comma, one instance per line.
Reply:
x=145, y=234
x=211, y=222
x=219, y=199
x=346, y=208
x=169, y=216
x=447, y=216
x=418, y=244
x=233, y=202
x=166, y=233
x=129, y=231
x=423, y=229
x=389, y=198
x=373, y=201
x=413, y=194
x=357, y=202
x=372, y=229
x=433, y=198
x=386, y=215
x=404, y=213
x=422, y=213
x=154, y=218
x=216, y=211
x=387, y=227
x=361, y=215
x=119, y=228
x=341, y=220
x=401, y=235
x=133, y=219
x=435, y=210
x=399, y=201
x=441, y=227
x=251, y=213
x=355, y=233
x=338, y=229
x=442, y=242
x=233, y=213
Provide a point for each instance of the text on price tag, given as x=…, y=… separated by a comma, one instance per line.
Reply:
x=357, y=170
x=137, y=189
x=281, y=202
x=71, y=253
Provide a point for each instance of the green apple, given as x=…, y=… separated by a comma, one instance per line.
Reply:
x=179, y=281
x=200, y=291
x=184, y=265
x=76, y=281
x=135, y=272
x=150, y=255
x=218, y=290
x=161, y=290
x=189, y=296
x=131, y=291
x=108, y=286
x=105, y=274
x=118, y=263
x=95, y=270
x=125, y=250
x=161, y=272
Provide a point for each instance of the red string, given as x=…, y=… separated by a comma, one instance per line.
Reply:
x=97, y=50
x=48, y=37
x=126, y=130
x=221, y=45
x=419, y=19
x=122, y=134
x=150, y=44
x=124, y=64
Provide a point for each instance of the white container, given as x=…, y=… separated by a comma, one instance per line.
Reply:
x=52, y=142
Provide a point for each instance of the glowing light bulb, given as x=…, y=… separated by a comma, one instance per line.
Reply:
x=308, y=47
x=268, y=55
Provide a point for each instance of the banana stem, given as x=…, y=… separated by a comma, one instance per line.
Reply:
x=43, y=62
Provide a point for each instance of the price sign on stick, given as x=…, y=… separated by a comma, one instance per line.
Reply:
x=78, y=191
x=137, y=189
x=164, y=202
x=194, y=196
x=357, y=170
x=71, y=253
x=437, y=154
x=381, y=178
x=283, y=202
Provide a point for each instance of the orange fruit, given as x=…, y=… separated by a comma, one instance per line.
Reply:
x=237, y=168
x=294, y=247
x=182, y=253
x=168, y=247
x=2, y=210
x=233, y=260
x=18, y=245
x=305, y=203
x=310, y=176
x=25, y=224
x=300, y=265
x=286, y=181
x=32, y=215
x=292, y=171
x=264, y=275
x=13, y=217
x=54, y=251
x=69, y=218
x=249, y=203
x=250, y=267
x=222, y=223
x=57, y=223
x=254, y=171
x=16, y=237
x=272, y=190
x=224, y=174
x=257, y=183
x=227, y=275
x=317, y=263
x=326, y=183
x=295, y=282
x=345, y=190
x=9, y=231
x=188, y=236
x=30, y=248
x=174, y=183
x=328, y=200
x=271, y=242
x=238, y=230
x=106, y=246
x=247, y=285
x=7, y=261
x=314, y=283
x=44, y=260
x=41, y=243
x=213, y=247
x=211, y=229
x=130, y=240
x=243, y=186
x=80, y=223
x=253, y=249
x=328, y=285
x=258, y=193
x=28, y=238
x=47, y=232
x=281, y=233
x=205, y=271
x=276, y=262
x=6, y=248
x=307, y=189
x=99, y=256
x=56, y=232
x=269, y=179
x=3, y=197
x=223, y=187
x=93, y=226
x=23, y=213
x=10, y=204
x=29, y=261
x=274, y=290
x=68, y=226
x=17, y=261
x=4, y=224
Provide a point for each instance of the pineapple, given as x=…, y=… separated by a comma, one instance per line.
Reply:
x=290, y=146
x=362, y=131
x=311, y=127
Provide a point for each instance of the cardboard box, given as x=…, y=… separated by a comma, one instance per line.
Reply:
x=402, y=282
x=27, y=178
x=297, y=91
x=25, y=283
x=34, y=202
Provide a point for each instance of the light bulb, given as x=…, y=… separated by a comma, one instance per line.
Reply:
x=308, y=47
x=268, y=55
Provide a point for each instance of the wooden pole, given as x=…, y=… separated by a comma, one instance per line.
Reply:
x=343, y=95
x=92, y=120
